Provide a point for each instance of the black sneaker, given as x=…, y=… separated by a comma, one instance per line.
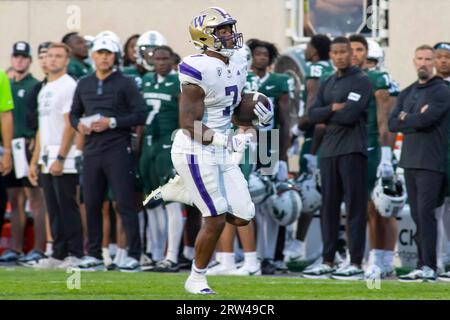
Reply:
x=32, y=258
x=268, y=267
x=184, y=262
x=147, y=263
x=166, y=265
x=10, y=256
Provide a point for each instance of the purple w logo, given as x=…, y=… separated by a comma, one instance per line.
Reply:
x=198, y=21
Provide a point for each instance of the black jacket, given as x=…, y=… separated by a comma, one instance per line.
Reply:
x=117, y=96
x=345, y=131
x=425, y=139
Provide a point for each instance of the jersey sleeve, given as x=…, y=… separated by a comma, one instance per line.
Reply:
x=314, y=71
x=192, y=71
x=394, y=88
x=6, y=100
x=285, y=83
x=382, y=81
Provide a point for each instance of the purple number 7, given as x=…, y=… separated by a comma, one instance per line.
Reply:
x=230, y=90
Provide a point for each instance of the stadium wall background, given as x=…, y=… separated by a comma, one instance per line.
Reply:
x=411, y=23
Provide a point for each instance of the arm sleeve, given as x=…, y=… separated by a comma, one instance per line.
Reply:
x=319, y=112
x=136, y=106
x=6, y=100
x=356, y=104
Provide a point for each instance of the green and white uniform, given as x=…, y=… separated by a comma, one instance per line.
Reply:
x=380, y=80
x=77, y=69
x=320, y=70
x=161, y=96
x=133, y=72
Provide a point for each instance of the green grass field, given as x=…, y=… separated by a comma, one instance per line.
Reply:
x=20, y=283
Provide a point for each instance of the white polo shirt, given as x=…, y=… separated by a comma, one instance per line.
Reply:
x=54, y=100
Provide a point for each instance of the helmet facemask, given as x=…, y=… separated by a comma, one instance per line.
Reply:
x=220, y=42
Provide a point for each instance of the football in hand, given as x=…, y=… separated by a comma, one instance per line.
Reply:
x=243, y=114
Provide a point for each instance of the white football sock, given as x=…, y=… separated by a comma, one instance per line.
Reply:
x=388, y=258
x=106, y=256
x=196, y=273
x=250, y=259
x=112, y=249
x=228, y=259
x=189, y=252
x=272, y=235
x=175, y=230
x=158, y=223
x=141, y=219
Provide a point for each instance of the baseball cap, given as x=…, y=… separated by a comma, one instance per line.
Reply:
x=442, y=45
x=21, y=48
x=104, y=43
x=43, y=47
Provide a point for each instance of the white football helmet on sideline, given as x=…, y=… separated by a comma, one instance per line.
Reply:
x=389, y=197
x=144, y=48
x=287, y=204
x=309, y=192
x=260, y=187
x=375, y=52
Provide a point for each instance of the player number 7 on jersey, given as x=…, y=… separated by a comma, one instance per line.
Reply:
x=230, y=90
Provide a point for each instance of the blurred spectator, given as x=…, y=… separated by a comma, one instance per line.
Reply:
x=19, y=188
x=77, y=67
x=129, y=50
x=54, y=141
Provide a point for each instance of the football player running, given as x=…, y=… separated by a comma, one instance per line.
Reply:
x=211, y=87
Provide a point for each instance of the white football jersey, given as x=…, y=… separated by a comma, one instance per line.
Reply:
x=222, y=85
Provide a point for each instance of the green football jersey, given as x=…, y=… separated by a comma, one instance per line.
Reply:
x=21, y=91
x=6, y=100
x=133, y=72
x=273, y=85
x=162, y=102
x=77, y=69
x=380, y=81
x=320, y=70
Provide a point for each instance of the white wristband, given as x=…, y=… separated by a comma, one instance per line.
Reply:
x=220, y=140
x=386, y=154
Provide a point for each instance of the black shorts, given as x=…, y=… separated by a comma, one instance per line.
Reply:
x=10, y=180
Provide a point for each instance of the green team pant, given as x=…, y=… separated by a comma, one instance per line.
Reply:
x=374, y=158
x=156, y=166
